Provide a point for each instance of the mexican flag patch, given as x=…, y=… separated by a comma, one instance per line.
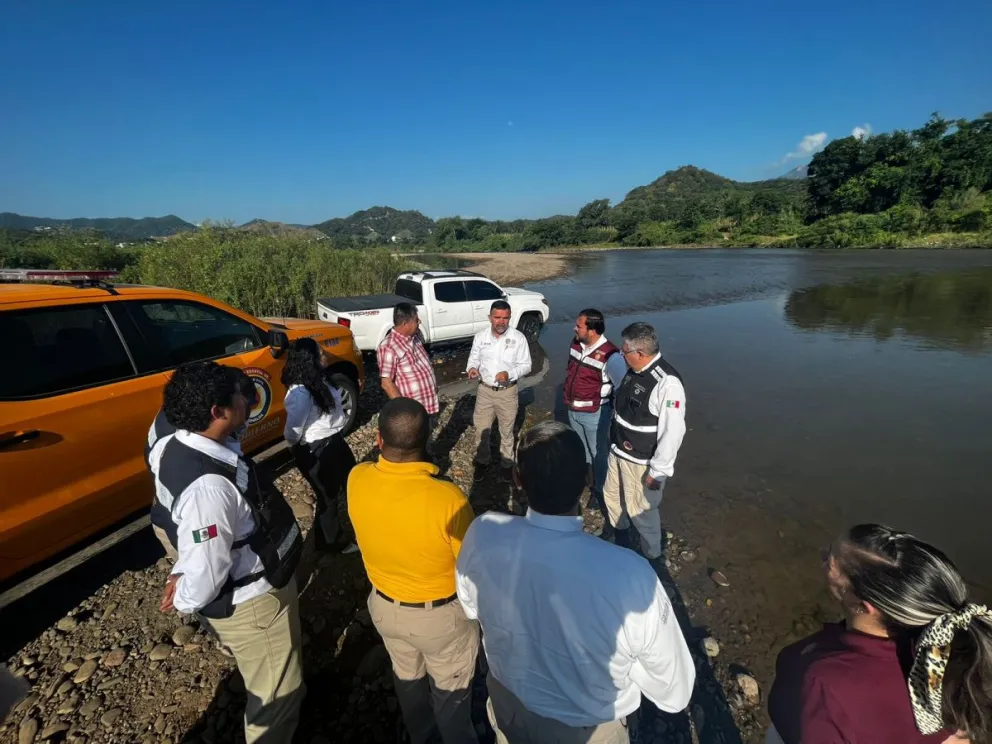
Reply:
x=673, y=404
x=205, y=533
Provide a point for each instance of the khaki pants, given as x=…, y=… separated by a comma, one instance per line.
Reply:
x=264, y=635
x=625, y=496
x=501, y=405
x=170, y=552
x=442, y=643
x=514, y=724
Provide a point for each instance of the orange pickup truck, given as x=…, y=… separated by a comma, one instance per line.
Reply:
x=86, y=364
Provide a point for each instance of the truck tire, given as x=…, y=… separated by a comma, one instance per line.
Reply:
x=349, y=397
x=530, y=326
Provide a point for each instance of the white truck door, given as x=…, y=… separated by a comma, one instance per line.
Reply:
x=451, y=313
x=481, y=294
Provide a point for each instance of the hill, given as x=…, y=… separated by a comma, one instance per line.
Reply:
x=380, y=225
x=668, y=197
x=124, y=229
x=268, y=227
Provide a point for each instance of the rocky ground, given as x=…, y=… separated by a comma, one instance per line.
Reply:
x=115, y=669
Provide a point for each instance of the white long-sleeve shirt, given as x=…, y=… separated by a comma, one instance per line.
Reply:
x=210, y=516
x=492, y=354
x=576, y=627
x=667, y=402
x=305, y=422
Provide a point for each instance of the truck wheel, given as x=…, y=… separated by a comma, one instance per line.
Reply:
x=349, y=398
x=530, y=326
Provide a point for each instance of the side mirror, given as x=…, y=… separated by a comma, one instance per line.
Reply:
x=278, y=343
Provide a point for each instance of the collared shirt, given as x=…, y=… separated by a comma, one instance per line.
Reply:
x=404, y=360
x=305, y=422
x=667, y=402
x=210, y=516
x=840, y=685
x=409, y=523
x=576, y=627
x=492, y=354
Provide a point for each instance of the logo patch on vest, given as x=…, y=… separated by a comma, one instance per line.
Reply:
x=263, y=394
x=638, y=388
x=628, y=446
x=205, y=533
x=242, y=476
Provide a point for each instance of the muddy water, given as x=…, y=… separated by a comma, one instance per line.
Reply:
x=823, y=389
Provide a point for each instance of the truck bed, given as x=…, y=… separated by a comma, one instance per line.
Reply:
x=364, y=302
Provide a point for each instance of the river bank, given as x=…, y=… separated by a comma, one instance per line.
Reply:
x=113, y=669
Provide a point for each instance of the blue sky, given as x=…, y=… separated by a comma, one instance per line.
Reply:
x=302, y=111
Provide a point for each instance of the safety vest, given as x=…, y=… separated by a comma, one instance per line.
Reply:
x=587, y=384
x=634, y=432
x=277, y=539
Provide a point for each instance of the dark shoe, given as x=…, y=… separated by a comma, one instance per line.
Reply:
x=623, y=538
x=480, y=471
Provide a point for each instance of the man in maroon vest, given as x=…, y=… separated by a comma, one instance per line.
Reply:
x=594, y=366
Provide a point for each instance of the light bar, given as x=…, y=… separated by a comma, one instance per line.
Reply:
x=47, y=275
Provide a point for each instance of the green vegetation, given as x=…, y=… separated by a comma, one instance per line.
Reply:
x=261, y=274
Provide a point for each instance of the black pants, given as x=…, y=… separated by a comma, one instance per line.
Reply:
x=326, y=465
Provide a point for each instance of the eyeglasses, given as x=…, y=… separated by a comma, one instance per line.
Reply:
x=625, y=352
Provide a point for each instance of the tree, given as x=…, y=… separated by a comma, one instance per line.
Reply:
x=594, y=214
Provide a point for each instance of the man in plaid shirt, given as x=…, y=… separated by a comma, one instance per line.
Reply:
x=404, y=367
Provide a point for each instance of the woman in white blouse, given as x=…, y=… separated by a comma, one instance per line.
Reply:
x=315, y=422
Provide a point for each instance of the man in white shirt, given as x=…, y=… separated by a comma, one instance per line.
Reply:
x=575, y=629
x=647, y=431
x=500, y=357
x=237, y=541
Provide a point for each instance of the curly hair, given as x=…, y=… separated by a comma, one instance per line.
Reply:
x=303, y=368
x=194, y=389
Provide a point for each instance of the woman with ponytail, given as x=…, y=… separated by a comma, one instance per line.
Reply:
x=315, y=424
x=910, y=664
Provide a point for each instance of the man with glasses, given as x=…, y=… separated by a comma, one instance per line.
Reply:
x=647, y=431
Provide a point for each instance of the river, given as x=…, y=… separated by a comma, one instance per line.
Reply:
x=823, y=389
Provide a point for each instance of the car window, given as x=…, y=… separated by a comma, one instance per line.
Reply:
x=449, y=291
x=58, y=349
x=190, y=332
x=410, y=289
x=482, y=290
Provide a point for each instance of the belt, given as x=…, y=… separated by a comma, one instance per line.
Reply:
x=420, y=605
x=321, y=444
x=497, y=388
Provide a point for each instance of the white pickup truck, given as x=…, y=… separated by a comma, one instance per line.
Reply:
x=453, y=306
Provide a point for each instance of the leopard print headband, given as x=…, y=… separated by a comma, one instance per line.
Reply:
x=933, y=649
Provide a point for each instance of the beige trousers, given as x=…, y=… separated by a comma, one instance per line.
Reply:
x=628, y=500
x=170, y=552
x=433, y=653
x=514, y=724
x=264, y=636
x=501, y=405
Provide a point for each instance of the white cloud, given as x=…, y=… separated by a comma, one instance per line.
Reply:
x=862, y=131
x=810, y=144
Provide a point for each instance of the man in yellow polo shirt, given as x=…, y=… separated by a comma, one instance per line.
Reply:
x=409, y=523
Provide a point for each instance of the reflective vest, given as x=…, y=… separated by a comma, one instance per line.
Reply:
x=277, y=539
x=587, y=384
x=634, y=432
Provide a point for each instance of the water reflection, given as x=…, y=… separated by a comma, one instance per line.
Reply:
x=946, y=310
